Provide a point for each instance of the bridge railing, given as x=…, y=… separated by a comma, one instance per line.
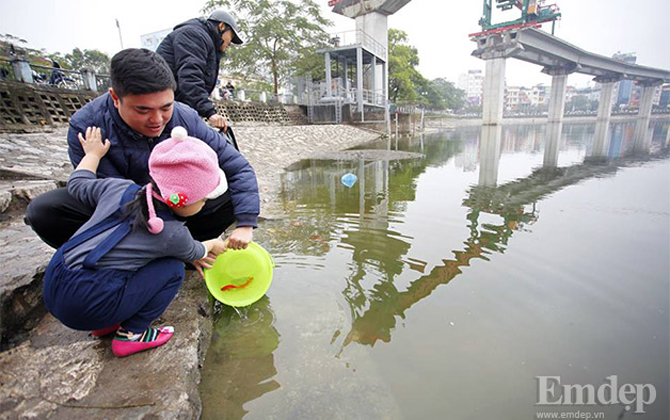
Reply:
x=369, y=96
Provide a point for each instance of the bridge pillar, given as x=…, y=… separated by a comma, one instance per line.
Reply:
x=641, y=136
x=494, y=49
x=551, y=144
x=559, y=80
x=489, y=155
x=494, y=91
x=601, y=139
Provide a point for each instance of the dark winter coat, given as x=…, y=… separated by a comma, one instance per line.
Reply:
x=128, y=156
x=192, y=52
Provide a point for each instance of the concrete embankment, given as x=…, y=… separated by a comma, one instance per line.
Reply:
x=49, y=371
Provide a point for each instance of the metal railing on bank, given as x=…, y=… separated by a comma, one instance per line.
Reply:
x=54, y=76
x=357, y=37
x=21, y=70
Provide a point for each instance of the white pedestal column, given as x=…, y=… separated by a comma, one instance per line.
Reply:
x=557, y=101
x=601, y=139
x=551, y=144
x=489, y=155
x=642, y=137
x=494, y=91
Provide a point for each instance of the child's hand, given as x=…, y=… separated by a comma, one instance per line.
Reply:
x=214, y=248
x=200, y=265
x=240, y=237
x=93, y=144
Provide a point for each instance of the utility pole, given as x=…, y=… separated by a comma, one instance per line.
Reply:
x=119, y=28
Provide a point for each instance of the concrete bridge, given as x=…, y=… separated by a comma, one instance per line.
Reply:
x=558, y=59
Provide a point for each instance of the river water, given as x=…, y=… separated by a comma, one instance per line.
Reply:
x=475, y=282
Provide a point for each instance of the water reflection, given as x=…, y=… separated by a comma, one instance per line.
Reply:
x=621, y=140
x=356, y=260
x=362, y=219
x=239, y=365
x=489, y=155
x=601, y=137
x=551, y=145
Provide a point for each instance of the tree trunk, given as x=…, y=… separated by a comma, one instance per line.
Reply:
x=275, y=77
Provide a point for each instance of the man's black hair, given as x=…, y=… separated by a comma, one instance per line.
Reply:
x=137, y=71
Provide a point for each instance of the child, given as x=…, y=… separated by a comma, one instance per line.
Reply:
x=121, y=269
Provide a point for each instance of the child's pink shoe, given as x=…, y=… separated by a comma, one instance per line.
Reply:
x=105, y=331
x=123, y=346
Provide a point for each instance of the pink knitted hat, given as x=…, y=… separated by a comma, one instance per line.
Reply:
x=186, y=170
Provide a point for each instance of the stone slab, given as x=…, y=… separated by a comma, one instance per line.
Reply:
x=65, y=374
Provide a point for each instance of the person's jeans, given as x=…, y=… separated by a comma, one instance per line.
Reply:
x=84, y=299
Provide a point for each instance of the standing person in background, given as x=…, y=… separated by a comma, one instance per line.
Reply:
x=231, y=89
x=193, y=51
x=57, y=75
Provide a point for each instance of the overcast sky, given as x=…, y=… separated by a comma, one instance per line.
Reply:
x=437, y=28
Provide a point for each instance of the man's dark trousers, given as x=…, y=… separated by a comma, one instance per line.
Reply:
x=55, y=216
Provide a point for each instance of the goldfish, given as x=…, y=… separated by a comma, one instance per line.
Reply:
x=237, y=286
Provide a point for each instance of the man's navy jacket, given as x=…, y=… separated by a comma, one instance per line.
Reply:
x=128, y=156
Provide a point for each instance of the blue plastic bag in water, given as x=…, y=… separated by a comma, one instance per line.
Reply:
x=349, y=179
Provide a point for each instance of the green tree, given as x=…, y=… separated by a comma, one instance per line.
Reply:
x=277, y=35
x=12, y=39
x=581, y=103
x=311, y=63
x=13, y=46
x=92, y=59
x=402, y=61
x=449, y=96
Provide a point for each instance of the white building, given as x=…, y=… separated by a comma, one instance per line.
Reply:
x=472, y=83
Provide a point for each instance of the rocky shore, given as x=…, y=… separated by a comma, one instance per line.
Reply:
x=48, y=371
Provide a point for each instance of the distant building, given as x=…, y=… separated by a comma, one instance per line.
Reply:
x=539, y=95
x=517, y=98
x=658, y=91
x=636, y=93
x=520, y=98
x=472, y=83
x=152, y=40
x=512, y=97
x=625, y=87
x=664, y=100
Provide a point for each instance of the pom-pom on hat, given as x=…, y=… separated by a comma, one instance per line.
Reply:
x=186, y=170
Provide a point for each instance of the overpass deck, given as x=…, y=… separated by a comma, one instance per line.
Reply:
x=538, y=47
